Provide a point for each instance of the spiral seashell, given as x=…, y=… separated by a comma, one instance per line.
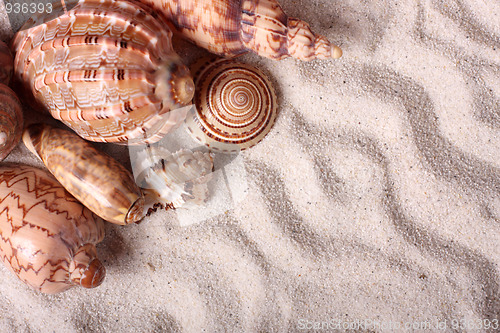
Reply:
x=175, y=179
x=97, y=180
x=6, y=64
x=11, y=120
x=232, y=27
x=106, y=69
x=236, y=105
x=47, y=238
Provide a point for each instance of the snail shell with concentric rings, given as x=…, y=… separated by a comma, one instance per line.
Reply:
x=236, y=105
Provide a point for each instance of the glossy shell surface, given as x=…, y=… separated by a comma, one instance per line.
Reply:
x=47, y=238
x=232, y=27
x=236, y=105
x=11, y=120
x=96, y=179
x=106, y=69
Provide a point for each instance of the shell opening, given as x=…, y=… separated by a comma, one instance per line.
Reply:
x=85, y=269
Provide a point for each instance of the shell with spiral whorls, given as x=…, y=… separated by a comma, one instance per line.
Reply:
x=236, y=105
x=232, y=27
x=11, y=112
x=173, y=180
x=47, y=238
x=97, y=180
x=106, y=69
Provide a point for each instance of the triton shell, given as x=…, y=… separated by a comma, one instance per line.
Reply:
x=236, y=105
x=106, y=69
x=232, y=27
x=47, y=238
x=96, y=179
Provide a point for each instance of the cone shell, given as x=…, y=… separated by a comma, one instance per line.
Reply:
x=11, y=120
x=236, y=105
x=106, y=69
x=232, y=27
x=47, y=238
x=96, y=179
x=174, y=179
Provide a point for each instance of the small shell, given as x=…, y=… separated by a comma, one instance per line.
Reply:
x=47, y=238
x=97, y=180
x=11, y=120
x=175, y=180
x=236, y=105
x=6, y=64
x=106, y=69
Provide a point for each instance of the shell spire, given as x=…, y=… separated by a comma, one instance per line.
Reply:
x=268, y=31
x=85, y=269
x=232, y=27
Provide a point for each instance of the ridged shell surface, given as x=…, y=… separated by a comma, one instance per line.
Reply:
x=174, y=179
x=47, y=238
x=96, y=179
x=11, y=120
x=106, y=69
x=236, y=105
x=232, y=27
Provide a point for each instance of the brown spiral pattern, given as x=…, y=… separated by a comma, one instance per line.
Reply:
x=235, y=105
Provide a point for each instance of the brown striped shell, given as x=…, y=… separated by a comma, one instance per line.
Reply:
x=236, y=105
x=232, y=27
x=106, y=69
x=47, y=238
x=97, y=180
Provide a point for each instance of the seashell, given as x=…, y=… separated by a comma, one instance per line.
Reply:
x=6, y=64
x=174, y=180
x=236, y=105
x=106, y=69
x=11, y=120
x=47, y=238
x=97, y=180
x=231, y=27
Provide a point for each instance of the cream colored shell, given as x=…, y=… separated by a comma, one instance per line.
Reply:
x=106, y=69
x=96, y=179
x=236, y=105
x=232, y=27
x=47, y=238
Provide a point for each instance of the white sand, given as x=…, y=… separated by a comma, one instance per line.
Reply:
x=374, y=198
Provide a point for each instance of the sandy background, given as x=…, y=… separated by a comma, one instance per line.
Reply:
x=375, y=197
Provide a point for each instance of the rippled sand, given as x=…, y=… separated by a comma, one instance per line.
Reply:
x=375, y=199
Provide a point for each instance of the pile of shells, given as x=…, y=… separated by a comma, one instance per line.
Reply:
x=108, y=71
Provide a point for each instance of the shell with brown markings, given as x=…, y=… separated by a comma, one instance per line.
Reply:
x=106, y=69
x=47, y=238
x=232, y=27
x=96, y=179
x=236, y=105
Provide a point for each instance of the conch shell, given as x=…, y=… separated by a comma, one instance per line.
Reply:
x=106, y=69
x=97, y=180
x=47, y=238
x=232, y=27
